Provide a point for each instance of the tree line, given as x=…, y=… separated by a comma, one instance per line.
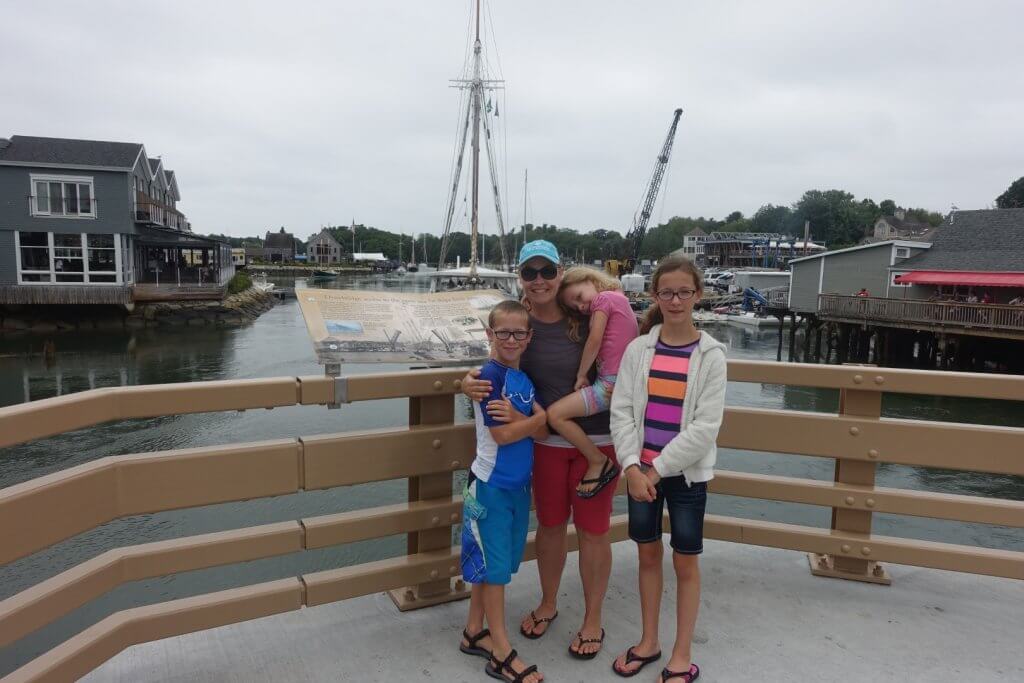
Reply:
x=837, y=219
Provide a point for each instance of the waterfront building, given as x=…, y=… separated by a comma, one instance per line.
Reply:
x=279, y=246
x=752, y=249
x=977, y=254
x=323, y=249
x=94, y=222
x=848, y=271
x=693, y=245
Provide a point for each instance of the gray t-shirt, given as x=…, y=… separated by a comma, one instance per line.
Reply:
x=551, y=360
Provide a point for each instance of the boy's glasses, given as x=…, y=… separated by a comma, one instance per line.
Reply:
x=519, y=335
x=530, y=274
x=667, y=295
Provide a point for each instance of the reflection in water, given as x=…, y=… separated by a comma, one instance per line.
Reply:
x=277, y=345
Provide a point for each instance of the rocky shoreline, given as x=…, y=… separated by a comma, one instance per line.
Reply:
x=232, y=311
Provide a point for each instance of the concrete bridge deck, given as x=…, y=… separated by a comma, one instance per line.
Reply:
x=764, y=617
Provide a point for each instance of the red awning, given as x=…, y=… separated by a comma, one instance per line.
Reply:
x=961, y=277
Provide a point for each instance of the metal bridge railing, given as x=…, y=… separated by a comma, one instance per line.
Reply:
x=39, y=513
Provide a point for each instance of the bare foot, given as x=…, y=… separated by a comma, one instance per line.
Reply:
x=587, y=642
x=536, y=623
x=642, y=655
x=593, y=472
x=517, y=666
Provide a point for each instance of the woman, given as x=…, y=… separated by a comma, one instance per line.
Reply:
x=550, y=362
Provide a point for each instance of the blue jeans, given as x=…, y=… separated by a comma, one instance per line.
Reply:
x=685, y=512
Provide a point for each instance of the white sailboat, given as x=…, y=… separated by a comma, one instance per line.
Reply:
x=478, y=114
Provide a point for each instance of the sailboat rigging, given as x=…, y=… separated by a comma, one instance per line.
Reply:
x=477, y=116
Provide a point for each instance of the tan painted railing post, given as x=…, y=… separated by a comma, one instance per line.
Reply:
x=856, y=518
x=432, y=410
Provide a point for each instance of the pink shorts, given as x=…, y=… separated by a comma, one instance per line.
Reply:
x=557, y=470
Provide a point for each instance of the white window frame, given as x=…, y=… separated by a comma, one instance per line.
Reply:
x=893, y=274
x=905, y=254
x=63, y=179
x=86, y=273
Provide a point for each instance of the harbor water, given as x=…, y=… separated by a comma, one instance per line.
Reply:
x=277, y=345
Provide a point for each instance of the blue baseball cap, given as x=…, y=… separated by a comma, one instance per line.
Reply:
x=541, y=248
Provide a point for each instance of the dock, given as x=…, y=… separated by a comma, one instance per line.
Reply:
x=763, y=617
x=780, y=600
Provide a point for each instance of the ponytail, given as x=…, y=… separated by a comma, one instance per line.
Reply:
x=653, y=317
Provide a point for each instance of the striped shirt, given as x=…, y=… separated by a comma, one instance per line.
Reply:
x=666, y=392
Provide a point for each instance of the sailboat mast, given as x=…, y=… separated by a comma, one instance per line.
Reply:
x=476, y=95
x=526, y=184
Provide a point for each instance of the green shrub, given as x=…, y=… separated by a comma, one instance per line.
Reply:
x=239, y=283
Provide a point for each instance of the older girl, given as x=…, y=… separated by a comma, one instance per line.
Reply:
x=665, y=415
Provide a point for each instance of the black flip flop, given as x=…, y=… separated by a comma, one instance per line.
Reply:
x=634, y=657
x=583, y=641
x=608, y=473
x=472, y=648
x=688, y=676
x=537, y=621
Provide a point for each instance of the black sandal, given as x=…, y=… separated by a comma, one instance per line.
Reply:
x=496, y=669
x=472, y=648
x=537, y=622
x=688, y=676
x=608, y=473
x=583, y=641
x=634, y=657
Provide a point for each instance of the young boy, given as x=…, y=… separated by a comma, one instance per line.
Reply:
x=496, y=510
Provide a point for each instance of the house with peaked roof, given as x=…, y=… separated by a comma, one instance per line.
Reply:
x=973, y=252
x=899, y=227
x=322, y=248
x=279, y=246
x=95, y=222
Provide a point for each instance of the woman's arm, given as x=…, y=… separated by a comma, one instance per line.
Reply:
x=519, y=429
x=598, y=321
x=475, y=389
x=694, y=442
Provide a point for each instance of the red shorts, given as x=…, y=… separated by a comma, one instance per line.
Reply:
x=557, y=470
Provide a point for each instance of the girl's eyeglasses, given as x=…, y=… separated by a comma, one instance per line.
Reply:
x=503, y=335
x=530, y=274
x=667, y=295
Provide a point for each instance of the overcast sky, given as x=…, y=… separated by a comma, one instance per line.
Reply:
x=302, y=114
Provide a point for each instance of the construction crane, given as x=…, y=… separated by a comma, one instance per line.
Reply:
x=635, y=237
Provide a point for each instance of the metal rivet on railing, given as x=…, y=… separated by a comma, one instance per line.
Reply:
x=435, y=520
x=454, y=517
x=854, y=431
x=457, y=384
x=870, y=502
x=865, y=550
x=846, y=548
x=455, y=464
x=436, y=443
x=872, y=453
x=438, y=386
x=434, y=573
x=850, y=500
x=857, y=379
x=879, y=379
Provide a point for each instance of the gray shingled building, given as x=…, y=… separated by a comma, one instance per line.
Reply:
x=972, y=252
x=86, y=221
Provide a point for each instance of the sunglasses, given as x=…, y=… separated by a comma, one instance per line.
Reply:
x=668, y=294
x=530, y=274
x=503, y=335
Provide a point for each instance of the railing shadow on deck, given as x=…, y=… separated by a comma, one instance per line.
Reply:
x=39, y=513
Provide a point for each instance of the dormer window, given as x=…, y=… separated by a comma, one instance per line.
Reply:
x=902, y=252
x=62, y=196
